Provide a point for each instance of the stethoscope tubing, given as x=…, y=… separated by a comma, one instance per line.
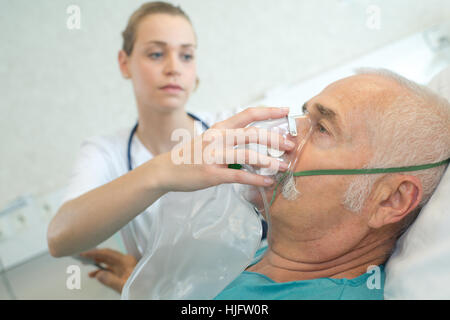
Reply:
x=133, y=132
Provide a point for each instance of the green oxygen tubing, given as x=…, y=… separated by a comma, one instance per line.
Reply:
x=350, y=171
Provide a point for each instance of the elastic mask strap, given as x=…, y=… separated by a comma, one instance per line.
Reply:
x=357, y=171
x=368, y=171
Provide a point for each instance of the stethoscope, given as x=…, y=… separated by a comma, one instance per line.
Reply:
x=206, y=127
x=133, y=131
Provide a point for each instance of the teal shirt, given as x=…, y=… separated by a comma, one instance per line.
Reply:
x=255, y=286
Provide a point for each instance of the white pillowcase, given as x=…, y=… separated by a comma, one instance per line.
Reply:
x=420, y=265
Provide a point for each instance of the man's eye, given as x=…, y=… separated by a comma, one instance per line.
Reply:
x=322, y=129
x=155, y=55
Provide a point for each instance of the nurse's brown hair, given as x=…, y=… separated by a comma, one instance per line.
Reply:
x=156, y=7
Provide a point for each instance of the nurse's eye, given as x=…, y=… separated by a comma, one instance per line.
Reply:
x=187, y=57
x=155, y=55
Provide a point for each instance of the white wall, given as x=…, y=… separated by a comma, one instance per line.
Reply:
x=58, y=86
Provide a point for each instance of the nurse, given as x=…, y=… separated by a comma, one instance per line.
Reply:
x=105, y=194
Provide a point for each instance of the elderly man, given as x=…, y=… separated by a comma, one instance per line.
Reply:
x=324, y=242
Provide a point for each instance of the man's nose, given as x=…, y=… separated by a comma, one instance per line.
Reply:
x=172, y=65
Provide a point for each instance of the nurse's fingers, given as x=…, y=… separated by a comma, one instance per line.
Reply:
x=242, y=136
x=108, y=256
x=245, y=156
x=92, y=274
x=250, y=115
x=243, y=177
x=109, y=279
x=257, y=159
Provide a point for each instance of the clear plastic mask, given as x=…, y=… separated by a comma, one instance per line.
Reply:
x=294, y=128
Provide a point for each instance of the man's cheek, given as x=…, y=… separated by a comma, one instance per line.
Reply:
x=313, y=186
x=322, y=192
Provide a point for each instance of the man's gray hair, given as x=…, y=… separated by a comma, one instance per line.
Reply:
x=413, y=130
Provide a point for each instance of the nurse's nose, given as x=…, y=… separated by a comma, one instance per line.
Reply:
x=172, y=64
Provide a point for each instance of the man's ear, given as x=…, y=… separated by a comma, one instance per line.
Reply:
x=395, y=197
x=123, y=64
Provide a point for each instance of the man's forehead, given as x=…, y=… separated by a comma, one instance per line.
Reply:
x=348, y=100
x=356, y=92
x=363, y=85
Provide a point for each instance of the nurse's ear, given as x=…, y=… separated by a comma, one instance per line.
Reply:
x=123, y=64
x=197, y=82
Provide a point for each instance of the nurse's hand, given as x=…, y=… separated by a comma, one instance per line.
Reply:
x=118, y=267
x=202, y=162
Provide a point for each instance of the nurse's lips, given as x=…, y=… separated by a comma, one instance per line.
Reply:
x=172, y=88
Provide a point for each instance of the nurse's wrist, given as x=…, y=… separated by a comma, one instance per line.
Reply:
x=156, y=177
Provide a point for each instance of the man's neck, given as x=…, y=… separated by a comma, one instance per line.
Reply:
x=350, y=265
x=155, y=129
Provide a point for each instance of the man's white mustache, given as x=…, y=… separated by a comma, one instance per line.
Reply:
x=289, y=190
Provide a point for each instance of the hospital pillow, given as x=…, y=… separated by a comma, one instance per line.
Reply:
x=420, y=265
x=419, y=268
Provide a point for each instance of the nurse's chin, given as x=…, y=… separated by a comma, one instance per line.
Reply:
x=171, y=104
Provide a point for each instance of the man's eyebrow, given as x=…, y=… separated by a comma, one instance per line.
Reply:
x=325, y=112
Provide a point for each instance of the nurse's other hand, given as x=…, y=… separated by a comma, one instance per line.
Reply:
x=209, y=154
x=118, y=267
